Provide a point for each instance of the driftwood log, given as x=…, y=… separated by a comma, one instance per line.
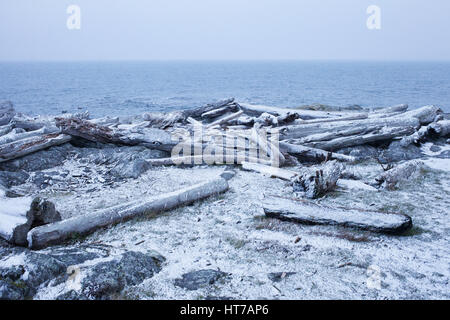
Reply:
x=32, y=144
x=313, y=154
x=305, y=212
x=148, y=137
x=57, y=232
x=316, y=183
x=270, y=171
x=389, y=179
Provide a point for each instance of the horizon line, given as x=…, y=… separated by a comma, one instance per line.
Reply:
x=220, y=60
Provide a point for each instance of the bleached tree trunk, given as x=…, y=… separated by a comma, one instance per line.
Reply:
x=382, y=135
x=57, y=232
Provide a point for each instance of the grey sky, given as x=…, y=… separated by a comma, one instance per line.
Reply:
x=224, y=29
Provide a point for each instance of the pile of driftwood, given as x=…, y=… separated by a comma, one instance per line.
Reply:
x=259, y=138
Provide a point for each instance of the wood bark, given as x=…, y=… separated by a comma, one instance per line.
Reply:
x=382, y=134
x=57, y=232
x=313, y=154
x=308, y=213
x=316, y=183
x=32, y=144
x=149, y=137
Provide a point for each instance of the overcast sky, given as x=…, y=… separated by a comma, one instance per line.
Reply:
x=224, y=30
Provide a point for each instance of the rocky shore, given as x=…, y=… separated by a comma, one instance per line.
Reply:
x=101, y=209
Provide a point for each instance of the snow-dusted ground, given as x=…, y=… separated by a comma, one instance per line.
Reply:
x=230, y=233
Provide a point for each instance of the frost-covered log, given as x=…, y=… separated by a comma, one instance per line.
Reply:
x=6, y=129
x=149, y=137
x=204, y=159
x=382, y=134
x=413, y=118
x=316, y=183
x=225, y=119
x=163, y=120
x=197, y=113
x=305, y=212
x=14, y=136
x=270, y=171
x=19, y=215
x=441, y=128
x=388, y=180
x=345, y=128
x=7, y=112
x=257, y=110
x=313, y=154
x=57, y=232
x=215, y=113
x=32, y=144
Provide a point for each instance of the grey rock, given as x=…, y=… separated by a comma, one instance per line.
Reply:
x=278, y=276
x=10, y=290
x=396, y=152
x=228, y=174
x=107, y=279
x=132, y=169
x=38, y=268
x=197, y=279
x=40, y=160
x=7, y=112
x=9, y=179
x=435, y=148
x=74, y=256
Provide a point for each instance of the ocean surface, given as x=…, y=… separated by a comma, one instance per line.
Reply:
x=124, y=88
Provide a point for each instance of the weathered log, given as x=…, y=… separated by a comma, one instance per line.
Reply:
x=57, y=232
x=225, y=119
x=149, y=137
x=32, y=144
x=19, y=215
x=358, y=116
x=229, y=108
x=413, y=118
x=13, y=136
x=6, y=129
x=163, y=120
x=270, y=171
x=441, y=128
x=389, y=179
x=312, y=154
x=203, y=159
x=7, y=112
x=382, y=134
x=345, y=127
x=257, y=110
x=317, y=183
x=198, y=112
x=308, y=213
